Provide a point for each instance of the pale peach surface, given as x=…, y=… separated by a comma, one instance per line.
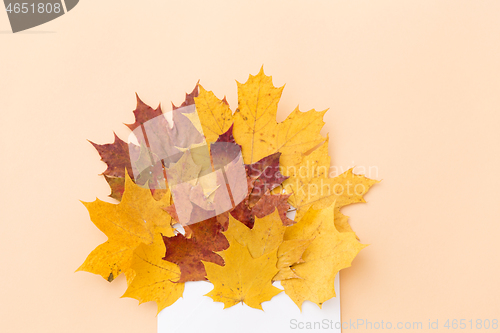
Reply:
x=413, y=89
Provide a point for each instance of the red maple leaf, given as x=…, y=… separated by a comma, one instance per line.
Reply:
x=189, y=100
x=116, y=156
x=143, y=113
x=206, y=239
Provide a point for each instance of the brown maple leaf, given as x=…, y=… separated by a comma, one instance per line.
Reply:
x=265, y=206
x=189, y=100
x=117, y=185
x=268, y=203
x=227, y=136
x=225, y=149
x=143, y=113
x=206, y=238
x=116, y=156
x=265, y=175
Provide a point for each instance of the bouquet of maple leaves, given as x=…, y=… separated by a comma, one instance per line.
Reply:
x=244, y=250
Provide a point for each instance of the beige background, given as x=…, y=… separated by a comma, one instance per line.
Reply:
x=413, y=89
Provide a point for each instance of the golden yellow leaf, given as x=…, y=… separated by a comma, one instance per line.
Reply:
x=353, y=186
x=342, y=221
x=129, y=275
x=310, y=186
x=289, y=253
x=316, y=164
x=255, y=119
x=256, y=129
x=328, y=253
x=242, y=278
x=284, y=274
x=153, y=276
x=308, y=182
x=265, y=236
x=215, y=115
x=110, y=259
x=298, y=134
x=128, y=224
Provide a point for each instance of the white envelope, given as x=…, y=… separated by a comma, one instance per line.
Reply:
x=197, y=313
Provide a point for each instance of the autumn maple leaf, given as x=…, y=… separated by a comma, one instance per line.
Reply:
x=153, y=278
x=329, y=251
x=215, y=115
x=117, y=155
x=132, y=222
x=243, y=278
x=206, y=238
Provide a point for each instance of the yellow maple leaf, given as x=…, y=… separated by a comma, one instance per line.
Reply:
x=329, y=252
x=215, y=115
x=242, y=278
x=299, y=133
x=153, y=276
x=128, y=224
x=258, y=133
x=310, y=186
x=297, y=138
x=289, y=253
x=265, y=236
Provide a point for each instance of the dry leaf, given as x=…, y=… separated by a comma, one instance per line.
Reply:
x=215, y=115
x=289, y=253
x=256, y=129
x=143, y=113
x=128, y=224
x=265, y=175
x=265, y=236
x=189, y=99
x=243, y=278
x=309, y=185
x=205, y=239
x=255, y=119
x=299, y=133
x=117, y=185
x=268, y=203
x=154, y=278
x=328, y=253
x=116, y=156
